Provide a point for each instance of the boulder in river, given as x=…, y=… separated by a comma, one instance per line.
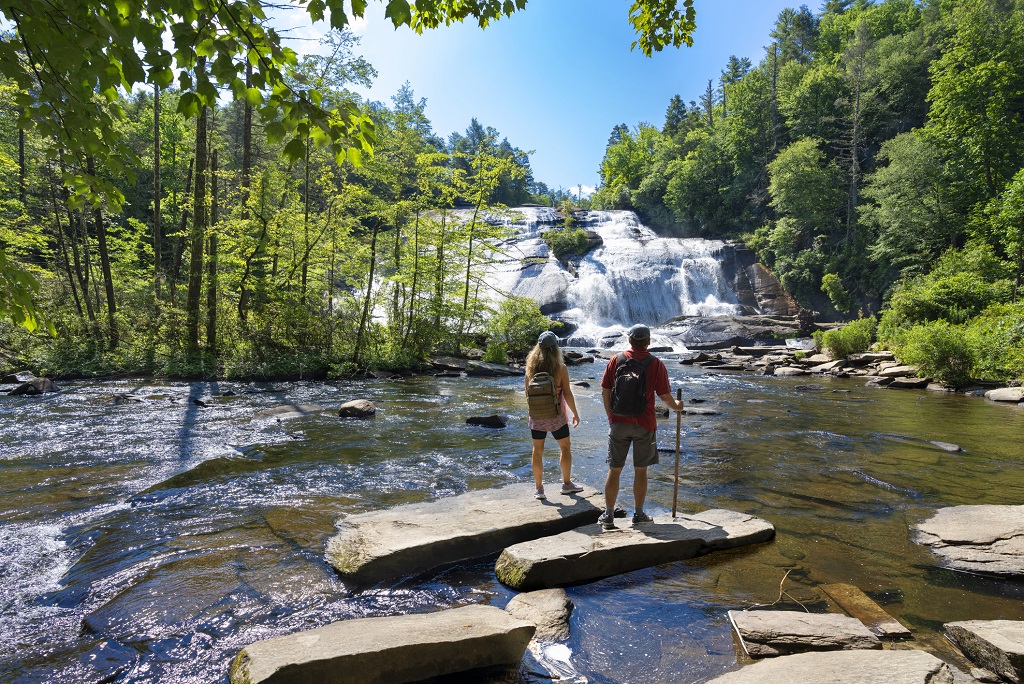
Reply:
x=982, y=538
x=549, y=609
x=790, y=371
x=388, y=650
x=491, y=370
x=782, y=632
x=17, y=378
x=844, y=667
x=357, y=408
x=908, y=383
x=996, y=645
x=1014, y=394
x=34, y=387
x=487, y=421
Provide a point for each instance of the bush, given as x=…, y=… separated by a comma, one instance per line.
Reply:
x=997, y=340
x=852, y=338
x=940, y=349
x=567, y=241
x=495, y=353
x=515, y=327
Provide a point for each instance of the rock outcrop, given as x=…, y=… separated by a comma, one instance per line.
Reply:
x=491, y=370
x=548, y=609
x=34, y=387
x=387, y=650
x=1014, y=394
x=984, y=538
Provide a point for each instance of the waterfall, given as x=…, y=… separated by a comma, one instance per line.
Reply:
x=635, y=276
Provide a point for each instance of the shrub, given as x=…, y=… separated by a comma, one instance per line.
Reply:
x=516, y=327
x=495, y=353
x=852, y=338
x=940, y=349
x=997, y=340
x=567, y=241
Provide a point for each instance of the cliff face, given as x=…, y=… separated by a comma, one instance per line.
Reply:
x=756, y=288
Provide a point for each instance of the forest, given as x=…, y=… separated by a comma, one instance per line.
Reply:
x=874, y=159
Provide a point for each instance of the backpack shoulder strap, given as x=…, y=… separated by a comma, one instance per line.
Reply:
x=647, y=361
x=621, y=358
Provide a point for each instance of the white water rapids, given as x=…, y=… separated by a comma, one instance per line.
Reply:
x=635, y=276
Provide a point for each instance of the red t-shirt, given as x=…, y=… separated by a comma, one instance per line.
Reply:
x=657, y=384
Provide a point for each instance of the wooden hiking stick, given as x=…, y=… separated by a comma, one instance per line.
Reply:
x=679, y=427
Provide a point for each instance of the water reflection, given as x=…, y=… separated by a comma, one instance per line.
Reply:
x=150, y=541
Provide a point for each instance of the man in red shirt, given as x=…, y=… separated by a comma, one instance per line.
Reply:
x=639, y=430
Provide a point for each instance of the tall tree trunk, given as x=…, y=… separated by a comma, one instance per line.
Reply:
x=305, y=221
x=440, y=276
x=198, y=234
x=469, y=265
x=211, y=274
x=369, y=294
x=415, y=279
x=247, y=133
x=108, y=279
x=22, y=171
x=179, y=247
x=157, y=191
x=62, y=244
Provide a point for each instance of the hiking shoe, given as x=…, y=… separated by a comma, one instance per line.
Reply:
x=607, y=521
x=640, y=517
x=540, y=494
x=571, y=487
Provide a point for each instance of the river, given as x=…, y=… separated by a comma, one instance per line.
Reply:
x=149, y=542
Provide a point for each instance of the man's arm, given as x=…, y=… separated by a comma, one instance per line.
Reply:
x=606, y=397
x=671, y=402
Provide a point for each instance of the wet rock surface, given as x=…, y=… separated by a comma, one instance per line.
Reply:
x=984, y=538
x=766, y=633
x=845, y=667
x=995, y=645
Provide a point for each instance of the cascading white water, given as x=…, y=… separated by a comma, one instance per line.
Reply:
x=635, y=276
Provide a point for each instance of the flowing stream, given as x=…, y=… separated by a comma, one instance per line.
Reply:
x=149, y=542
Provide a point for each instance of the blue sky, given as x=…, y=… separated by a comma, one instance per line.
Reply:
x=557, y=76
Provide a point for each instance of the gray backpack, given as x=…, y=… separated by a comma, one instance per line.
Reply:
x=542, y=397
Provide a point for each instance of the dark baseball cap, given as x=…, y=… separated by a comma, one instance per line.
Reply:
x=548, y=339
x=639, y=332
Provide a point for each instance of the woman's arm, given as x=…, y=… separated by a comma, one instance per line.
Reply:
x=570, y=400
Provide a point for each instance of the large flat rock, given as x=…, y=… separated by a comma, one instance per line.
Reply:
x=766, y=633
x=387, y=650
x=996, y=645
x=591, y=553
x=984, y=538
x=844, y=667
x=412, y=538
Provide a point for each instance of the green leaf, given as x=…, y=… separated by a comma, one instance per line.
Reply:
x=254, y=97
x=295, y=149
x=398, y=12
x=275, y=131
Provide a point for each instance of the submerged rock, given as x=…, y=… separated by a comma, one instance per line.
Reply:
x=288, y=411
x=388, y=650
x=984, y=538
x=487, y=421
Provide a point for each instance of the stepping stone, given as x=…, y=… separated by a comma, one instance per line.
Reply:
x=856, y=603
x=996, y=645
x=844, y=667
x=983, y=538
x=387, y=650
x=412, y=538
x=548, y=609
x=591, y=553
x=766, y=633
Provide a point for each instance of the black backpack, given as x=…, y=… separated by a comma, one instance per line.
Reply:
x=629, y=392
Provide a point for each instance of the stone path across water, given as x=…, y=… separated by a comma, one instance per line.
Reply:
x=591, y=553
x=412, y=538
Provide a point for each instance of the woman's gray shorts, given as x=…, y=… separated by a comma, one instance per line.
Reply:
x=645, y=445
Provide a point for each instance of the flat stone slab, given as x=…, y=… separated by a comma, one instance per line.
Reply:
x=983, y=538
x=844, y=667
x=412, y=538
x=856, y=603
x=288, y=411
x=591, y=553
x=996, y=645
x=766, y=633
x=387, y=650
